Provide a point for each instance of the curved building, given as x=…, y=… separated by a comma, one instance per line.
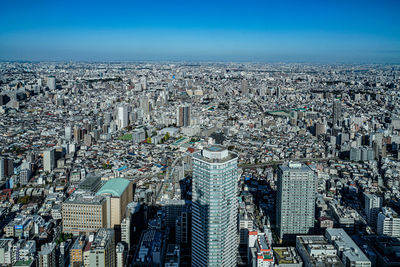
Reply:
x=119, y=193
x=215, y=208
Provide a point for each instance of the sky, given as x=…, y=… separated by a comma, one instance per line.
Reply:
x=315, y=31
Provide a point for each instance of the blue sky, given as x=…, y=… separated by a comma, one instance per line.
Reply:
x=266, y=31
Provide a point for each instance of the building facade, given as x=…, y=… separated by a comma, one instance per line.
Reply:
x=215, y=208
x=295, y=203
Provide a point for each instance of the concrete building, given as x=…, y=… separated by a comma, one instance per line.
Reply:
x=84, y=213
x=76, y=251
x=49, y=161
x=172, y=208
x=120, y=255
x=214, y=208
x=350, y=254
x=51, y=82
x=47, y=256
x=6, y=168
x=287, y=257
x=373, y=204
x=123, y=117
x=102, y=250
x=295, y=203
x=337, y=113
x=118, y=192
x=183, y=116
x=260, y=253
x=172, y=256
x=138, y=135
x=388, y=223
x=6, y=246
x=315, y=251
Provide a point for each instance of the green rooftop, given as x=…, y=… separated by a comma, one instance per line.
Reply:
x=115, y=187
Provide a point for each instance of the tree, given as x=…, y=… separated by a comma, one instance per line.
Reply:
x=148, y=140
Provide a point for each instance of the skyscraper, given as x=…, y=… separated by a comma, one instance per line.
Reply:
x=215, y=207
x=295, y=200
x=245, y=87
x=49, y=161
x=122, y=117
x=51, y=82
x=337, y=113
x=183, y=116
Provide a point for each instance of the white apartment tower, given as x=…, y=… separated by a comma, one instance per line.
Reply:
x=215, y=208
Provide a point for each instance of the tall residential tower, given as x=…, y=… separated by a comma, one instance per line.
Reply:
x=215, y=208
x=295, y=201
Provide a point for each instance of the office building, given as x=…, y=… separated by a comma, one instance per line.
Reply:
x=122, y=117
x=350, y=254
x=118, y=192
x=373, y=204
x=172, y=208
x=315, y=251
x=183, y=116
x=126, y=232
x=244, y=87
x=295, y=201
x=138, y=135
x=337, y=113
x=68, y=132
x=388, y=223
x=102, y=250
x=51, y=82
x=6, y=246
x=84, y=213
x=214, y=208
x=49, y=161
x=6, y=168
x=287, y=257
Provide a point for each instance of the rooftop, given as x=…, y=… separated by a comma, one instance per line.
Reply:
x=115, y=187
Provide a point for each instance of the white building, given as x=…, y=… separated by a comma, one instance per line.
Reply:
x=51, y=82
x=122, y=117
x=49, y=161
x=373, y=204
x=260, y=253
x=388, y=223
x=214, y=188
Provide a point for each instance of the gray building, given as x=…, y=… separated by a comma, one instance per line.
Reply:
x=348, y=251
x=373, y=204
x=215, y=208
x=295, y=203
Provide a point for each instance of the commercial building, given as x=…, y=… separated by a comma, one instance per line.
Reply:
x=6, y=168
x=214, y=207
x=76, y=251
x=84, y=213
x=287, y=257
x=102, y=250
x=51, y=82
x=295, y=202
x=337, y=113
x=122, y=117
x=118, y=192
x=347, y=250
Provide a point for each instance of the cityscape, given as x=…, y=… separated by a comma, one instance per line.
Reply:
x=211, y=158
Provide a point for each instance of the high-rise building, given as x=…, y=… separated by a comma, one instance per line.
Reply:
x=6, y=168
x=214, y=207
x=388, y=223
x=122, y=117
x=49, y=161
x=121, y=255
x=183, y=116
x=102, y=251
x=373, y=204
x=68, y=132
x=295, y=202
x=51, y=82
x=245, y=87
x=337, y=113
